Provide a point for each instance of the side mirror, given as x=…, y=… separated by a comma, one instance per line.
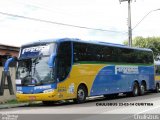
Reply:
x=51, y=60
x=8, y=61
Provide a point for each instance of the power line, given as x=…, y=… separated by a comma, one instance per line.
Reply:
x=145, y=17
x=58, y=23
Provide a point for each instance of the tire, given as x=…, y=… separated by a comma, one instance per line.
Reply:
x=135, y=91
x=142, y=89
x=81, y=94
x=157, y=88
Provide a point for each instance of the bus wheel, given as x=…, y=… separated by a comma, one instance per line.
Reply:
x=157, y=88
x=81, y=94
x=142, y=89
x=135, y=91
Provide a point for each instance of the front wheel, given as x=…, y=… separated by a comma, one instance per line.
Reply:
x=81, y=94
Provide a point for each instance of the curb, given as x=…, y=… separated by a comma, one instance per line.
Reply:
x=7, y=106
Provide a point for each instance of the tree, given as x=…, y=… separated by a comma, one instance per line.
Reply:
x=152, y=43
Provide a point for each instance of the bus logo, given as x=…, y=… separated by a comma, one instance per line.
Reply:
x=120, y=69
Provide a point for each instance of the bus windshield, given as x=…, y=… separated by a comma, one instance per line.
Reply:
x=35, y=70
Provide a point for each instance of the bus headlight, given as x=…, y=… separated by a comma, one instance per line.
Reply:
x=47, y=91
x=19, y=92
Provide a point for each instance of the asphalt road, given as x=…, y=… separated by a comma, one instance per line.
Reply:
x=121, y=108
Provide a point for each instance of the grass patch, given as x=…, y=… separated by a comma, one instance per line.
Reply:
x=30, y=103
x=14, y=101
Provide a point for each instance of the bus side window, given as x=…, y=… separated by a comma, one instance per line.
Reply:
x=63, y=60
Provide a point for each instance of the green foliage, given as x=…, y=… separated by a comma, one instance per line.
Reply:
x=13, y=101
x=149, y=42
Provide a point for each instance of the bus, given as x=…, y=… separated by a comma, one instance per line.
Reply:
x=73, y=69
x=157, y=76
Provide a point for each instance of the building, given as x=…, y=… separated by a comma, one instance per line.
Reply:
x=7, y=51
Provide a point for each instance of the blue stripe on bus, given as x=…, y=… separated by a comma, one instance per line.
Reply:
x=36, y=89
x=107, y=82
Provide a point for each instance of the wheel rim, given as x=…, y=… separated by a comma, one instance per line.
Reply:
x=81, y=94
x=142, y=89
x=136, y=90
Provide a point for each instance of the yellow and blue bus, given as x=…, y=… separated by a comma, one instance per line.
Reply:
x=157, y=76
x=64, y=69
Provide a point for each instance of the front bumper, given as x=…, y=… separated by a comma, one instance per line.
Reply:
x=51, y=96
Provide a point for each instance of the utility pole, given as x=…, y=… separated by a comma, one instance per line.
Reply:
x=129, y=22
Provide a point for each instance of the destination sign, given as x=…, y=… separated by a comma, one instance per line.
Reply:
x=35, y=51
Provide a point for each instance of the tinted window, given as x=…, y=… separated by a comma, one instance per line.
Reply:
x=93, y=53
x=84, y=52
x=64, y=58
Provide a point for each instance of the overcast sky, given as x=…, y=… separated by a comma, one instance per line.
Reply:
x=100, y=14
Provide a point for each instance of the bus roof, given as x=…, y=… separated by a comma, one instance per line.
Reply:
x=40, y=42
